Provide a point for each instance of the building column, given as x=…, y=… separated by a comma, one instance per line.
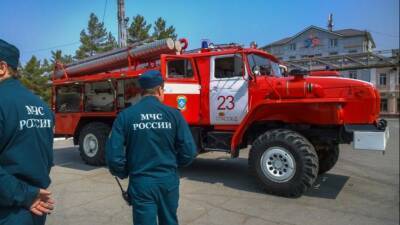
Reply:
x=392, y=102
x=373, y=76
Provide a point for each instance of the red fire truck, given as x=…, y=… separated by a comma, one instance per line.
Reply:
x=232, y=97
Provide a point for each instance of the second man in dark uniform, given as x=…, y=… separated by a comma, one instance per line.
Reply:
x=157, y=140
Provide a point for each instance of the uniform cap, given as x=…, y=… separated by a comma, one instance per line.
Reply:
x=150, y=79
x=9, y=54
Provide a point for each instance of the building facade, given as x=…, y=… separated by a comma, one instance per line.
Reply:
x=387, y=80
x=315, y=42
x=318, y=42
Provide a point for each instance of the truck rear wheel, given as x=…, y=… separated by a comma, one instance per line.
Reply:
x=328, y=158
x=92, y=142
x=284, y=162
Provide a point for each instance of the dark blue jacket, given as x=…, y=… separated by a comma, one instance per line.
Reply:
x=26, y=147
x=157, y=140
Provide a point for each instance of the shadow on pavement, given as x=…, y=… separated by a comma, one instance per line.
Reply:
x=70, y=158
x=234, y=173
x=231, y=173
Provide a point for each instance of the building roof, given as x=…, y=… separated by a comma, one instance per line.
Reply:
x=342, y=33
x=280, y=42
x=350, y=32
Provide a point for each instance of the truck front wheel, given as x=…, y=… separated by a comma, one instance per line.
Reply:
x=92, y=142
x=284, y=162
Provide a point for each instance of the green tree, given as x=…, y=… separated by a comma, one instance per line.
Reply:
x=139, y=29
x=45, y=66
x=95, y=39
x=57, y=56
x=33, y=77
x=161, y=31
x=31, y=68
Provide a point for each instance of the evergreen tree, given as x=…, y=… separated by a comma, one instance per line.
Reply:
x=32, y=77
x=94, y=39
x=32, y=68
x=110, y=44
x=161, y=32
x=139, y=29
x=57, y=56
x=45, y=63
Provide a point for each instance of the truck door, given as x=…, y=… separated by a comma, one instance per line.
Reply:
x=228, y=90
x=68, y=108
x=268, y=82
x=182, y=88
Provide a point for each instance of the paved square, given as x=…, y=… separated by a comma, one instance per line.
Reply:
x=363, y=188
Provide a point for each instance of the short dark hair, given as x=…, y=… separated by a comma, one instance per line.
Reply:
x=151, y=91
x=13, y=72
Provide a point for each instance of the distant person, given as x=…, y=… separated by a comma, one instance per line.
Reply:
x=157, y=140
x=26, y=147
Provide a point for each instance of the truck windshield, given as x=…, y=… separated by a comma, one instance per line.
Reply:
x=261, y=65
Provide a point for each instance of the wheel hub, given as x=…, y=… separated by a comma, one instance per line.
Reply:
x=278, y=164
x=90, y=145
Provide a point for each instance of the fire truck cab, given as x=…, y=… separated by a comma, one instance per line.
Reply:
x=231, y=97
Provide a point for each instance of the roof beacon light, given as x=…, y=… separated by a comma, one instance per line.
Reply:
x=204, y=44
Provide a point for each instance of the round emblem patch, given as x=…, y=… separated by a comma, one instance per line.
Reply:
x=181, y=102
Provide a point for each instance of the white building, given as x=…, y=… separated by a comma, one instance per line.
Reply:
x=318, y=42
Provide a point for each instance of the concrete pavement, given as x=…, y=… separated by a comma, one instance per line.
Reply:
x=362, y=189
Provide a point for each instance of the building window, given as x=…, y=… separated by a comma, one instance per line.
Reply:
x=292, y=57
x=292, y=47
x=333, y=43
x=382, y=79
x=384, y=105
x=353, y=51
x=353, y=74
x=333, y=53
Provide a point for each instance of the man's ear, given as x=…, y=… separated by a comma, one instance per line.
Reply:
x=159, y=90
x=3, y=69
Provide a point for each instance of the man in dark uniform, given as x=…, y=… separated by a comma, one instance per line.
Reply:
x=157, y=141
x=26, y=148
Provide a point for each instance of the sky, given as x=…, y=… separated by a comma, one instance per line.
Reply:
x=38, y=26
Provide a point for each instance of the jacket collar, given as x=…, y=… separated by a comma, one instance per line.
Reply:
x=8, y=81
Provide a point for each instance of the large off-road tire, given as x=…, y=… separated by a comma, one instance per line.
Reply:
x=92, y=143
x=328, y=157
x=284, y=162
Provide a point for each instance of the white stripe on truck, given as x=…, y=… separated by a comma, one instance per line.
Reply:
x=179, y=88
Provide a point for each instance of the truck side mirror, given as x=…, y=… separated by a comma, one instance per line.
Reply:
x=256, y=70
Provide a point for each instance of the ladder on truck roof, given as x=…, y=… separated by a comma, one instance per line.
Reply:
x=132, y=55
